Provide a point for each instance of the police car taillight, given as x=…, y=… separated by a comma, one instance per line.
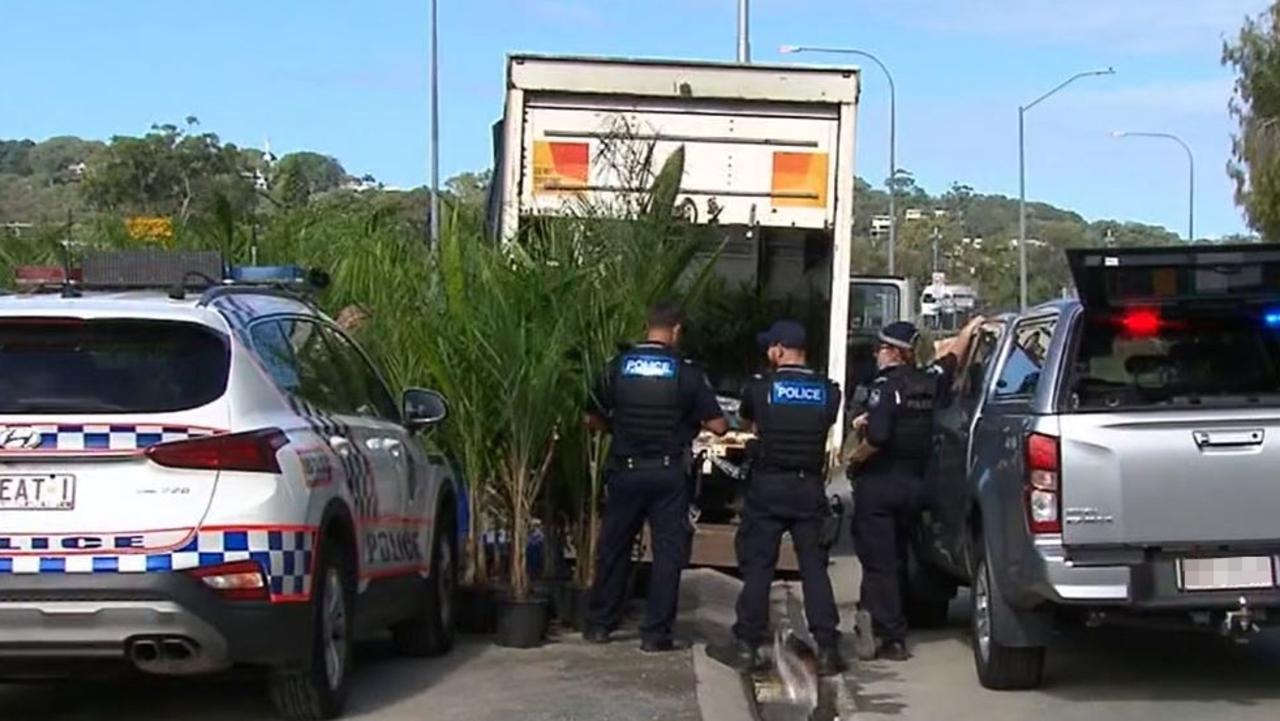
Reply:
x=254, y=452
x=1043, y=491
x=239, y=581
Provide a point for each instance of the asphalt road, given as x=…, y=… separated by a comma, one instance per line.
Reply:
x=1102, y=674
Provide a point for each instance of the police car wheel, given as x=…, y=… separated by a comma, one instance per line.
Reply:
x=319, y=691
x=999, y=667
x=431, y=632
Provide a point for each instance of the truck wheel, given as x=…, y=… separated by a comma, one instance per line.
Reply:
x=319, y=691
x=1002, y=668
x=929, y=593
x=431, y=632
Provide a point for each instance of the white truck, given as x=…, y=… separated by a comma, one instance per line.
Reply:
x=769, y=156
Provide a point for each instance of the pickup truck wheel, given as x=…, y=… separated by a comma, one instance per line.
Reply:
x=431, y=632
x=319, y=691
x=929, y=593
x=1002, y=668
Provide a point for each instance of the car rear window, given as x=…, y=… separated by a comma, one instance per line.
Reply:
x=54, y=365
x=1145, y=358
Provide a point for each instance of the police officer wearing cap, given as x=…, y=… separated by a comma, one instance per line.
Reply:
x=889, y=465
x=654, y=402
x=792, y=410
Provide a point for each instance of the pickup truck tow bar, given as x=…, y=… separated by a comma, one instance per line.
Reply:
x=1239, y=625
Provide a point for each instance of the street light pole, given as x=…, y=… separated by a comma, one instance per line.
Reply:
x=893, y=134
x=1022, y=178
x=744, y=31
x=1191, y=175
x=435, y=124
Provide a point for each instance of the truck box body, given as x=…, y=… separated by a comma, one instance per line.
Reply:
x=768, y=160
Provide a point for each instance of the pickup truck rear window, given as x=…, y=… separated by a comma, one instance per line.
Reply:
x=75, y=366
x=1148, y=358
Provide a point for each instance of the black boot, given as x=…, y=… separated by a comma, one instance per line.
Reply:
x=663, y=645
x=830, y=662
x=893, y=651
x=748, y=657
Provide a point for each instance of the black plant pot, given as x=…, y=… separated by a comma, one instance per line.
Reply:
x=522, y=624
x=478, y=609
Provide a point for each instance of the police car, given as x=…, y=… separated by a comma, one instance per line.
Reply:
x=208, y=475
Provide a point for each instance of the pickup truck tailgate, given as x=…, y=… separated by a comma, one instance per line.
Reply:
x=1171, y=478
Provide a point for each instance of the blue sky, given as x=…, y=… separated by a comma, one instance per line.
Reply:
x=349, y=79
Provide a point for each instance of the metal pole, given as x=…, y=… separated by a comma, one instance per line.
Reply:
x=1022, y=209
x=893, y=135
x=1022, y=176
x=893, y=170
x=435, y=123
x=1191, y=175
x=744, y=31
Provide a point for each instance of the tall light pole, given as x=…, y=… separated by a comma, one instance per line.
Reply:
x=1022, y=177
x=435, y=124
x=744, y=31
x=1191, y=174
x=893, y=134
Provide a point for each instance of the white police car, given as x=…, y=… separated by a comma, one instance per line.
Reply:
x=191, y=481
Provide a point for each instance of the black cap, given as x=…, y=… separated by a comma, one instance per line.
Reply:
x=788, y=333
x=900, y=335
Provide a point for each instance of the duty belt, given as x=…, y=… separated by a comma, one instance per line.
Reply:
x=798, y=473
x=647, y=463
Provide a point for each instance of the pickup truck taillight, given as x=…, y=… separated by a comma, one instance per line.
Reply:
x=1043, y=491
x=254, y=451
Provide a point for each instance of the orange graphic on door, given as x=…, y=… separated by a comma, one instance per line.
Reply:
x=560, y=167
x=799, y=180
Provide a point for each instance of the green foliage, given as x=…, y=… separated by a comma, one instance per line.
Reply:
x=1255, y=167
x=298, y=176
x=171, y=171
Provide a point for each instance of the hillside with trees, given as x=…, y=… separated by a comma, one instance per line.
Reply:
x=70, y=187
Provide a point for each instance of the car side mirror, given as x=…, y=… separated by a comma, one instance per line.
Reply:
x=423, y=409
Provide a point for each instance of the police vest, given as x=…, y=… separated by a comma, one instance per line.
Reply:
x=793, y=427
x=647, y=410
x=912, y=437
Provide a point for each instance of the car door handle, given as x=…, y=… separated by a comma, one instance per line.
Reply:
x=1229, y=439
x=340, y=445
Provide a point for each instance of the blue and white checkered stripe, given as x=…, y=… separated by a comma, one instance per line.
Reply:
x=65, y=437
x=285, y=555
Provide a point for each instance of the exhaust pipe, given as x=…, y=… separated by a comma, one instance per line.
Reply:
x=144, y=652
x=167, y=655
x=178, y=649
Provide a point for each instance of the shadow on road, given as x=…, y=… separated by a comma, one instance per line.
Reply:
x=1113, y=664
x=381, y=679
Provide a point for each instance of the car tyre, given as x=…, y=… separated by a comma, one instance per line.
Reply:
x=999, y=667
x=432, y=631
x=319, y=691
x=929, y=593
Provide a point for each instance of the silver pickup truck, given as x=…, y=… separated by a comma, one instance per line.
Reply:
x=1112, y=459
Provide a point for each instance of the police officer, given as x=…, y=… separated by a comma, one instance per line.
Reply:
x=654, y=402
x=792, y=410
x=889, y=464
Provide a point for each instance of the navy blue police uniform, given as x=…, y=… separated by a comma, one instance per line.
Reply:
x=890, y=484
x=793, y=409
x=655, y=402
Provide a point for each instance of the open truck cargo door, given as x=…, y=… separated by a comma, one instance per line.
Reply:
x=1171, y=429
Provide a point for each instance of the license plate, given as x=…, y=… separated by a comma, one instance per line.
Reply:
x=1226, y=574
x=37, y=493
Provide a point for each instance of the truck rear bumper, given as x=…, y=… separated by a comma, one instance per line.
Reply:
x=1151, y=586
